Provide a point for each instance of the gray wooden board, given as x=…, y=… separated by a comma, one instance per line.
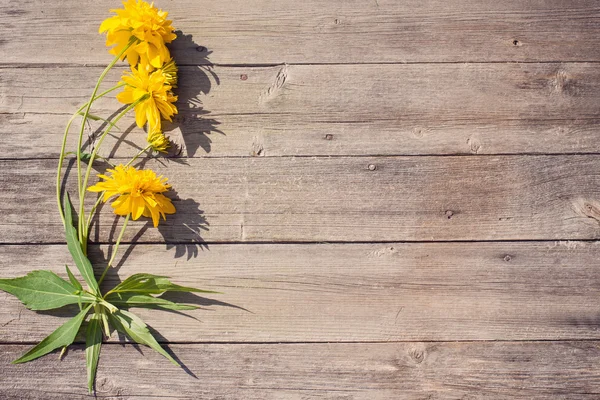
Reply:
x=346, y=292
x=414, y=371
x=313, y=31
x=290, y=110
x=382, y=87
x=312, y=199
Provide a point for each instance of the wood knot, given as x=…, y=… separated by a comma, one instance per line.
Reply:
x=419, y=132
x=385, y=251
x=587, y=208
x=275, y=88
x=417, y=354
x=258, y=149
x=562, y=82
x=474, y=145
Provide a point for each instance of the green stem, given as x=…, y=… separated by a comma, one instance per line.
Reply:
x=81, y=189
x=89, y=219
x=83, y=228
x=114, y=253
x=138, y=154
x=108, y=306
x=61, y=158
x=103, y=319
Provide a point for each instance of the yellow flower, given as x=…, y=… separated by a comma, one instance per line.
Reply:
x=169, y=70
x=147, y=24
x=141, y=82
x=157, y=140
x=139, y=193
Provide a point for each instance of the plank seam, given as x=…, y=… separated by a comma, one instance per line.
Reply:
x=261, y=343
x=271, y=65
x=357, y=242
x=327, y=156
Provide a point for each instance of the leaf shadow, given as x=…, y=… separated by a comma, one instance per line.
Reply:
x=195, y=299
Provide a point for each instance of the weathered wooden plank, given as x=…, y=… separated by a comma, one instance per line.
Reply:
x=336, y=199
x=556, y=370
x=343, y=31
x=342, y=292
x=28, y=135
x=365, y=109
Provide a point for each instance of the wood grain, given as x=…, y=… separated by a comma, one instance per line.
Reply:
x=352, y=121
x=411, y=371
x=342, y=31
x=291, y=110
x=343, y=292
x=335, y=199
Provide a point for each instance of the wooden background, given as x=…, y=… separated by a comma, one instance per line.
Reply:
x=399, y=199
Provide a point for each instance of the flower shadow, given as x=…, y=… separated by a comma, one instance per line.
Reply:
x=183, y=230
x=193, y=120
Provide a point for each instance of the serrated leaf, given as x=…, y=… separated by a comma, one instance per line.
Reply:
x=93, y=343
x=132, y=326
x=128, y=300
x=63, y=336
x=73, y=280
x=81, y=261
x=152, y=284
x=44, y=290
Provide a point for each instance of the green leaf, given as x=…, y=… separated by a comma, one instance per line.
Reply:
x=127, y=300
x=85, y=157
x=73, y=280
x=83, y=264
x=132, y=326
x=93, y=343
x=44, y=290
x=97, y=118
x=152, y=284
x=63, y=336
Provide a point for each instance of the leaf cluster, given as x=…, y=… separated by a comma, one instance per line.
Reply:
x=44, y=290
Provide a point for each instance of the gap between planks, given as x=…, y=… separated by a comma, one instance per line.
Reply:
x=466, y=154
x=305, y=342
x=281, y=64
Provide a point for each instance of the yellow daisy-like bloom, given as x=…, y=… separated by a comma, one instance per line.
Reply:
x=169, y=70
x=150, y=27
x=158, y=141
x=141, y=82
x=139, y=193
